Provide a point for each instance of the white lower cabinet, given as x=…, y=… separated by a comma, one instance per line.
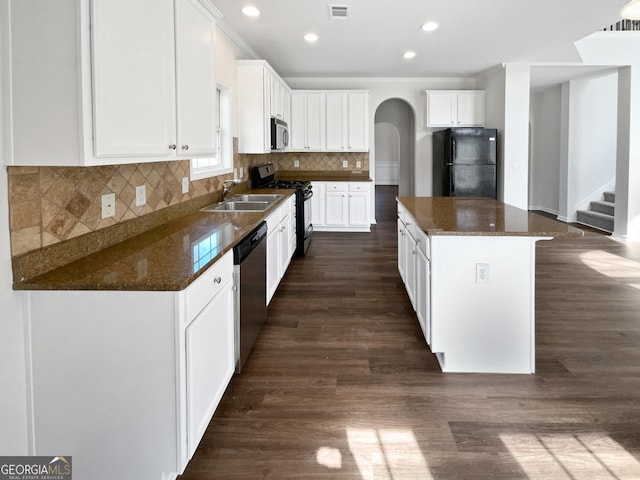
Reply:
x=126, y=382
x=279, y=245
x=414, y=266
x=423, y=283
x=341, y=206
x=209, y=363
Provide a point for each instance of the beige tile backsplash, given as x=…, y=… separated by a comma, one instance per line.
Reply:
x=48, y=205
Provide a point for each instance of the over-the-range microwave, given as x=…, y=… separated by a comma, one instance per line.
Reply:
x=279, y=134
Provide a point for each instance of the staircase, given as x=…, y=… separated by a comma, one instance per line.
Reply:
x=600, y=214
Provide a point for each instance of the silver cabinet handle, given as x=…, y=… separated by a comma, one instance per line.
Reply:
x=217, y=280
x=185, y=147
x=172, y=146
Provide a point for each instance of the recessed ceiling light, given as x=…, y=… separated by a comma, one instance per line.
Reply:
x=311, y=37
x=429, y=26
x=409, y=54
x=251, y=11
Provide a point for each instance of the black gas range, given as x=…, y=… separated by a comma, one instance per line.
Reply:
x=264, y=177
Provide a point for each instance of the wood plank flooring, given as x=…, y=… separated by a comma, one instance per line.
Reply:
x=342, y=385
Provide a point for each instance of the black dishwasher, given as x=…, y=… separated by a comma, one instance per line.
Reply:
x=250, y=278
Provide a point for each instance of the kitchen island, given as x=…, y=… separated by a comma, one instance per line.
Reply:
x=469, y=268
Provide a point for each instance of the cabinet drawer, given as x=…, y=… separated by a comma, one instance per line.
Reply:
x=207, y=286
x=359, y=187
x=336, y=186
x=410, y=224
x=275, y=218
x=422, y=242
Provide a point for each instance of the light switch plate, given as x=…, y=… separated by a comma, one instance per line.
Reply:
x=185, y=184
x=108, y=205
x=296, y=163
x=141, y=195
x=345, y=163
x=358, y=164
x=482, y=273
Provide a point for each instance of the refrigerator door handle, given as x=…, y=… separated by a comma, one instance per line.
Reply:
x=452, y=183
x=453, y=147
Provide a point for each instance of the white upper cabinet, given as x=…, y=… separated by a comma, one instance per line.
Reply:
x=455, y=108
x=358, y=122
x=133, y=77
x=346, y=128
x=262, y=94
x=104, y=81
x=196, y=79
x=308, y=114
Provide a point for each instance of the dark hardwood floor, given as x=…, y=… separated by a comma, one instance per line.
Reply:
x=342, y=385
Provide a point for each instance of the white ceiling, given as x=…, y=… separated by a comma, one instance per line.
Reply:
x=474, y=35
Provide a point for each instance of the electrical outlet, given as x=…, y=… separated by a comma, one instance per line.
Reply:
x=141, y=195
x=108, y=205
x=358, y=164
x=296, y=163
x=241, y=173
x=482, y=273
x=185, y=184
x=345, y=164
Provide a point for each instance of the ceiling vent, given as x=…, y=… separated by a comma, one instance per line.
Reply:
x=338, y=12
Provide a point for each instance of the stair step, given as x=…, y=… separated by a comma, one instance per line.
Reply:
x=609, y=197
x=607, y=208
x=598, y=220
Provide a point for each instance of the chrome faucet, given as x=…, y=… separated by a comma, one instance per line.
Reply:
x=227, y=186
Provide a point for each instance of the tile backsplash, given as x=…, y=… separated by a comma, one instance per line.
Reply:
x=48, y=205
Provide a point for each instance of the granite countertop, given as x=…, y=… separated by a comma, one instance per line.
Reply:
x=168, y=257
x=324, y=175
x=481, y=217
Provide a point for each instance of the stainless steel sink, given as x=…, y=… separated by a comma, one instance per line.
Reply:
x=255, y=197
x=231, y=206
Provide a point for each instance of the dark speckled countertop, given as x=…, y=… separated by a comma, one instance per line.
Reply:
x=168, y=257
x=481, y=217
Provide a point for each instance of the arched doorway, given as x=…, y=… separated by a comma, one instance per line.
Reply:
x=395, y=145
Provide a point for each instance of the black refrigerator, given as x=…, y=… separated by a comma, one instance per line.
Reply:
x=465, y=162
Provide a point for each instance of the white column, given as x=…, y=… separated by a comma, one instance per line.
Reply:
x=515, y=157
x=627, y=217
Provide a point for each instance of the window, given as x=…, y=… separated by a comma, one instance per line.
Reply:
x=203, y=167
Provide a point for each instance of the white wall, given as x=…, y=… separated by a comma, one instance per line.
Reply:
x=544, y=164
x=622, y=48
x=411, y=90
x=592, y=138
x=387, y=145
x=493, y=84
x=13, y=405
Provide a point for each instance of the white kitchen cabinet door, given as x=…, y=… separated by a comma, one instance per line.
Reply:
x=337, y=117
x=133, y=77
x=210, y=363
x=359, y=209
x=423, y=293
x=273, y=263
x=336, y=208
x=315, y=120
x=402, y=251
x=358, y=124
x=297, y=130
x=317, y=204
x=455, y=108
x=442, y=109
x=410, y=266
x=470, y=111
x=195, y=79
x=308, y=129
